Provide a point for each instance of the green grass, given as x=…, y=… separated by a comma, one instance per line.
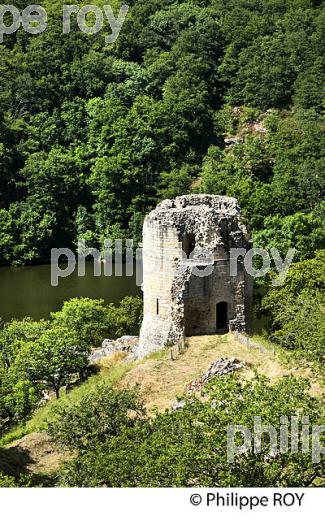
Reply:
x=286, y=356
x=114, y=372
x=111, y=375
x=38, y=421
x=292, y=358
x=262, y=340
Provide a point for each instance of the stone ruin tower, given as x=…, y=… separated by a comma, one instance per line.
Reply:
x=187, y=286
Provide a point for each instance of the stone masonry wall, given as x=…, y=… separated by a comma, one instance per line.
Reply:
x=178, y=300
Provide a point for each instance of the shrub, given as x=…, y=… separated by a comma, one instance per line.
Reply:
x=189, y=447
x=99, y=415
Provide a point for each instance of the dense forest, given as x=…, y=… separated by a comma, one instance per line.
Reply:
x=208, y=96
x=93, y=135
x=197, y=96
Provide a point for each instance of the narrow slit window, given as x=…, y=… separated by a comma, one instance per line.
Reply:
x=189, y=244
x=157, y=307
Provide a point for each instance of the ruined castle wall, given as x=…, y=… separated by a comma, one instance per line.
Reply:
x=176, y=301
x=160, y=254
x=202, y=296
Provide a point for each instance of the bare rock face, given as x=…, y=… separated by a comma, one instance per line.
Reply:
x=187, y=286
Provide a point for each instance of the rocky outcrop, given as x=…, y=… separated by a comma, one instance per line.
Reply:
x=127, y=344
x=221, y=367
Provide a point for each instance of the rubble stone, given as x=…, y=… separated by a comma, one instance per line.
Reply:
x=221, y=367
x=127, y=344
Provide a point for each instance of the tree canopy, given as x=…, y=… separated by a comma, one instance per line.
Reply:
x=92, y=136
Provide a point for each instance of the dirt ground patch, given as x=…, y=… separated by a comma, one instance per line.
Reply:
x=39, y=452
x=162, y=380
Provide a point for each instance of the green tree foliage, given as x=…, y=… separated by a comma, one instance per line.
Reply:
x=303, y=231
x=92, y=136
x=297, y=308
x=7, y=482
x=125, y=318
x=15, y=334
x=86, y=317
x=54, y=360
x=38, y=356
x=300, y=325
x=19, y=396
x=189, y=447
x=276, y=172
x=306, y=275
x=100, y=414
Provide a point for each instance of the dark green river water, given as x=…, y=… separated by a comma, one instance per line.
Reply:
x=27, y=291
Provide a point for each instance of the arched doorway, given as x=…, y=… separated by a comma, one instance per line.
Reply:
x=222, y=322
